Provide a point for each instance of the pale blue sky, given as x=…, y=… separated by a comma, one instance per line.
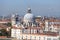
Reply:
x=39, y=7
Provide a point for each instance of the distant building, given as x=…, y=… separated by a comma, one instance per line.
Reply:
x=34, y=28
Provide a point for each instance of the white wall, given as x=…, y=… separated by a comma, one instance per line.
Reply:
x=17, y=33
x=46, y=25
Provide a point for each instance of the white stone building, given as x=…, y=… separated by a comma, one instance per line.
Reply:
x=28, y=30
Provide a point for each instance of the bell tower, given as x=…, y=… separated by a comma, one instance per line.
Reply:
x=13, y=20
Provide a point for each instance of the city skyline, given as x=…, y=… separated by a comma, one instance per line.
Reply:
x=39, y=7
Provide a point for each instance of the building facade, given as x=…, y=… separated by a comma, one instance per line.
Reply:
x=31, y=29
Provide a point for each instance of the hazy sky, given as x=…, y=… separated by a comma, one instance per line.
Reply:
x=39, y=7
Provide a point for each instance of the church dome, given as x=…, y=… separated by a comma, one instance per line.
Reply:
x=29, y=17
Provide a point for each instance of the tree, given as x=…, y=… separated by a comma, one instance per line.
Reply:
x=9, y=24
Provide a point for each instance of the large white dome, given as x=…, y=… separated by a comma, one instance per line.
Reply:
x=29, y=17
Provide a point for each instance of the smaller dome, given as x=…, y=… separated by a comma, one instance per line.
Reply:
x=29, y=10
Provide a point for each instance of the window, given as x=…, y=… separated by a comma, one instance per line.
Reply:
x=26, y=37
x=22, y=30
x=35, y=37
x=54, y=39
x=30, y=37
x=48, y=38
x=39, y=38
x=22, y=38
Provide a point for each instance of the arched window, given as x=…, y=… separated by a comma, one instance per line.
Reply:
x=22, y=38
x=39, y=38
x=30, y=37
x=48, y=38
x=35, y=37
x=26, y=38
